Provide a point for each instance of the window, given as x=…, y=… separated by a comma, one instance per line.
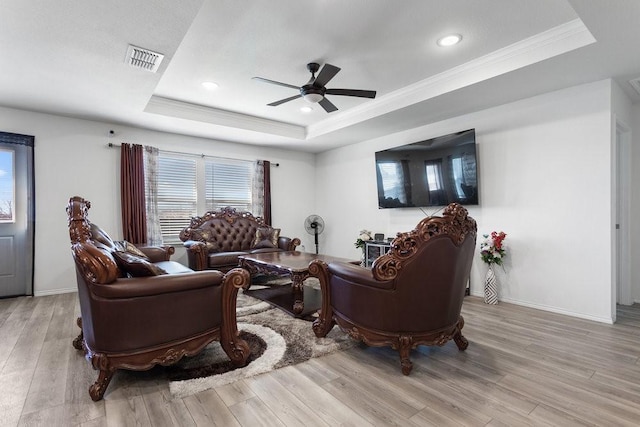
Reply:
x=177, y=195
x=7, y=187
x=228, y=183
x=189, y=186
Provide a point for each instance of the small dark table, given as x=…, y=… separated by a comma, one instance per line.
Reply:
x=295, y=265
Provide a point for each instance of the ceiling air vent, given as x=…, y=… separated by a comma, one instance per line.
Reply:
x=635, y=83
x=146, y=59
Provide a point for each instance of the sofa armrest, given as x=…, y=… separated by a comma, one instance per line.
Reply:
x=287, y=243
x=196, y=255
x=157, y=253
x=135, y=287
x=350, y=282
x=358, y=275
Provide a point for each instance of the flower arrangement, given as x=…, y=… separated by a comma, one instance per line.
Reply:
x=363, y=237
x=491, y=248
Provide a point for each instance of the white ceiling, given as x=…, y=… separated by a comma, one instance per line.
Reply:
x=68, y=58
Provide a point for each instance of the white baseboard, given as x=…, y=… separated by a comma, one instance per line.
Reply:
x=552, y=309
x=54, y=292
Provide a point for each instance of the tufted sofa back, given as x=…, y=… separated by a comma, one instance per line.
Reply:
x=224, y=236
x=226, y=230
x=216, y=239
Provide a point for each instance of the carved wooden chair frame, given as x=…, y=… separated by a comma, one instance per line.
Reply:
x=455, y=223
x=96, y=268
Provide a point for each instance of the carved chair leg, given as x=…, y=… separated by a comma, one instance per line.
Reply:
x=323, y=324
x=236, y=348
x=460, y=341
x=458, y=338
x=404, y=348
x=97, y=389
x=77, y=342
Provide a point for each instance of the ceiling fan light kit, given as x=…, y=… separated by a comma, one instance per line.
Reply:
x=312, y=97
x=314, y=90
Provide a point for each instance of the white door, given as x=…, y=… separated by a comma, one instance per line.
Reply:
x=16, y=214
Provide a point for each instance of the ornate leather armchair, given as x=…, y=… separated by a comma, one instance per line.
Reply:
x=412, y=295
x=137, y=313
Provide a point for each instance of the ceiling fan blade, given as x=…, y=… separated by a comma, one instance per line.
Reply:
x=352, y=92
x=282, y=101
x=275, y=82
x=327, y=105
x=327, y=73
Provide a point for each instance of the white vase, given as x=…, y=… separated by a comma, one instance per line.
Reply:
x=490, y=287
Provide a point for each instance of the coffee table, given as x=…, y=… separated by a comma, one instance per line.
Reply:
x=294, y=264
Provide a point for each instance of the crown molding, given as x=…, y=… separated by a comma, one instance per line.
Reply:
x=548, y=44
x=189, y=111
x=555, y=41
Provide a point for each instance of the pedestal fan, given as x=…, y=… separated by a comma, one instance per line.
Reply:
x=314, y=224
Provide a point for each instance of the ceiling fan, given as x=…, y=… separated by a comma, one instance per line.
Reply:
x=314, y=90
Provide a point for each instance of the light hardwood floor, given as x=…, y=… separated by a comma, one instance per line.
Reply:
x=522, y=367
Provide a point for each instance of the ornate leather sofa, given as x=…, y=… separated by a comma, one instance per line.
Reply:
x=412, y=295
x=139, y=312
x=216, y=239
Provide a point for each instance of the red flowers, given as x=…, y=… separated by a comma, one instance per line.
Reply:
x=491, y=249
x=497, y=239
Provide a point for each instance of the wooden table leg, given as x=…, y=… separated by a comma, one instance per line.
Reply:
x=297, y=284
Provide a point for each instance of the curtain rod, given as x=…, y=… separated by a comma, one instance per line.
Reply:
x=111, y=145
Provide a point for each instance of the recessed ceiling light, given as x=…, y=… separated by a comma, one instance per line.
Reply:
x=306, y=109
x=449, y=40
x=210, y=85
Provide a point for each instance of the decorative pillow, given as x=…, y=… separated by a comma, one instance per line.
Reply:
x=130, y=248
x=136, y=266
x=266, y=237
x=206, y=237
x=201, y=235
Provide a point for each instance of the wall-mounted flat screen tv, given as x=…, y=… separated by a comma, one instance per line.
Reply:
x=434, y=172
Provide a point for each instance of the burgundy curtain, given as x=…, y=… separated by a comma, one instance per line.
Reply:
x=134, y=218
x=267, y=191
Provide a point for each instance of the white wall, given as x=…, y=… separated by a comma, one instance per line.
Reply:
x=545, y=179
x=72, y=158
